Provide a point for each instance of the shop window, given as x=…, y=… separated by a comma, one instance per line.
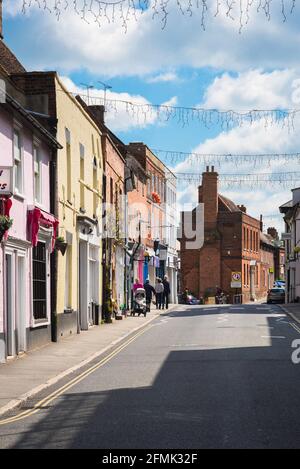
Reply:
x=39, y=279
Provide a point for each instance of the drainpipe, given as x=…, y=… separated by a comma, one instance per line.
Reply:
x=53, y=257
x=252, y=281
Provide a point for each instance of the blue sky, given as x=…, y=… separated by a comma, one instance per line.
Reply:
x=185, y=66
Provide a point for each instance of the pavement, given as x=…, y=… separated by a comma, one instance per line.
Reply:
x=219, y=376
x=293, y=310
x=30, y=373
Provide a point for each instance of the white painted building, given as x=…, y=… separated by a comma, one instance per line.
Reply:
x=170, y=233
x=291, y=238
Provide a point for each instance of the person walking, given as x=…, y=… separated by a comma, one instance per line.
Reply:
x=166, y=292
x=149, y=292
x=159, y=290
x=137, y=284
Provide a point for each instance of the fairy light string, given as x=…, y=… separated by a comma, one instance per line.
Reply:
x=147, y=113
x=100, y=11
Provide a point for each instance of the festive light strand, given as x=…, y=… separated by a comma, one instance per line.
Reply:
x=191, y=158
x=144, y=114
x=99, y=11
x=251, y=180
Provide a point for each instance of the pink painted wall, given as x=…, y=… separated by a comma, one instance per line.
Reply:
x=21, y=205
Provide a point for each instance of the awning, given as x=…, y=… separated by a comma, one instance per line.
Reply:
x=37, y=218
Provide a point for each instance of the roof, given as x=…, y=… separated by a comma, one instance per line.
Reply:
x=11, y=102
x=9, y=61
x=267, y=239
x=285, y=207
x=229, y=204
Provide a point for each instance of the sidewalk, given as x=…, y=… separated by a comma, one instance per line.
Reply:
x=34, y=371
x=293, y=309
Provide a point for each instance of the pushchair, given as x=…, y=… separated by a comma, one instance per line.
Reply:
x=139, y=302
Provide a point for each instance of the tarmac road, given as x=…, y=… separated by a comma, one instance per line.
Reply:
x=198, y=377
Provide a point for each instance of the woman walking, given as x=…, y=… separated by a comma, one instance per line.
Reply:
x=159, y=290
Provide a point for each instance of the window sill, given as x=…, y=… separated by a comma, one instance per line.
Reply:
x=19, y=196
x=39, y=323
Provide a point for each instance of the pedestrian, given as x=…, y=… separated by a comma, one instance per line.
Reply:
x=159, y=290
x=137, y=284
x=149, y=292
x=166, y=292
x=185, y=295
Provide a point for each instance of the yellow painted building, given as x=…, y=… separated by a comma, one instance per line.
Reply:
x=79, y=189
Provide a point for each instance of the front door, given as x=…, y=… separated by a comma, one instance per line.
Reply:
x=15, y=303
x=83, y=285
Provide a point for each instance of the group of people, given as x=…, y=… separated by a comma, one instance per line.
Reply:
x=161, y=291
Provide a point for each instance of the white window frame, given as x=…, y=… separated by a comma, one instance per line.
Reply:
x=44, y=236
x=19, y=191
x=36, y=148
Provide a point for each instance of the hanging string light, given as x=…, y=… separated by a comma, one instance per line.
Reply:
x=143, y=114
x=100, y=11
x=191, y=158
x=251, y=180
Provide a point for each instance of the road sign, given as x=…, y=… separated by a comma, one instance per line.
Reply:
x=236, y=279
x=5, y=181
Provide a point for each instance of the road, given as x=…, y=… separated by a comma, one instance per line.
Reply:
x=197, y=377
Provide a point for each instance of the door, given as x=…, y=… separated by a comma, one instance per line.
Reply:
x=83, y=285
x=10, y=306
x=21, y=306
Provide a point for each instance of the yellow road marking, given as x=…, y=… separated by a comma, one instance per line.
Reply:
x=44, y=402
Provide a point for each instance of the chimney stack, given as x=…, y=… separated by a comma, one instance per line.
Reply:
x=273, y=232
x=98, y=112
x=242, y=208
x=261, y=223
x=210, y=197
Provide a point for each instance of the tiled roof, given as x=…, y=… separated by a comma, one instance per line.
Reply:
x=231, y=206
x=9, y=61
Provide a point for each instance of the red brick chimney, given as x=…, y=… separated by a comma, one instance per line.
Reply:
x=209, y=194
x=1, y=20
x=242, y=208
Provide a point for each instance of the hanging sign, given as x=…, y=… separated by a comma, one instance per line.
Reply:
x=5, y=181
x=236, y=280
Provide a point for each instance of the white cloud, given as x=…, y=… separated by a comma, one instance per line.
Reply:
x=71, y=43
x=164, y=78
x=120, y=117
x=254, y=89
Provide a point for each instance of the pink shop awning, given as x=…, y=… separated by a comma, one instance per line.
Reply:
x=37, y=218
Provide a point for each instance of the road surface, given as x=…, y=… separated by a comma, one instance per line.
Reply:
x=197, y=377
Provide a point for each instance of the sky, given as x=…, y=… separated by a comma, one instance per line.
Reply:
x=241, y=59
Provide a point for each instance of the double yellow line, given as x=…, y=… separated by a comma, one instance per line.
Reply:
x=47, y=400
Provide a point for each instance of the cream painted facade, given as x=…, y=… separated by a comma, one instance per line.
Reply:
x=79, y=188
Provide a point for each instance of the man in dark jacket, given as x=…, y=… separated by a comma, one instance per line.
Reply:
x=167, y=292
x=149, y=292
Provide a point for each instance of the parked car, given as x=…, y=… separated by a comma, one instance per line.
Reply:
x=276, y=295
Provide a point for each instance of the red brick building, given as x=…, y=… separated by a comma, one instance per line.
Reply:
x=233, y=242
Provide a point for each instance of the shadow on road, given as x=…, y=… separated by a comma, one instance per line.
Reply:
x=222, y=398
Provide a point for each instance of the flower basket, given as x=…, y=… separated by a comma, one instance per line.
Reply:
x=155, y=197
x=5, y=224
x=61, y=245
